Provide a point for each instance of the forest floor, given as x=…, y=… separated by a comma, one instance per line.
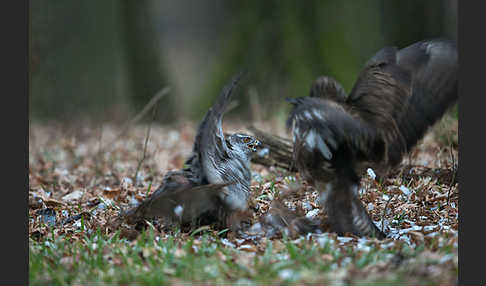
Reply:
x=80, y=179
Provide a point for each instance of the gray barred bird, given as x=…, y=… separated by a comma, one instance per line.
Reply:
x=214, y=185
x=397, y=97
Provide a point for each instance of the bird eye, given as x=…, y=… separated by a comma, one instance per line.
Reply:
x=246, y=140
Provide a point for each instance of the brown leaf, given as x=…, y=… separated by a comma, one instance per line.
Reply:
x=73, y=196
x=248, y=248
x=111, y=193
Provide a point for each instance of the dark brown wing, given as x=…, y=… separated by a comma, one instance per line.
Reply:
x=178, y=199
x=434, y=67
x=404, y=92
x=381, y=95
x=329, y=88
x=400, y=93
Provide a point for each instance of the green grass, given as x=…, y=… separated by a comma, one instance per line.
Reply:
x=90, y=251
x=100, y=259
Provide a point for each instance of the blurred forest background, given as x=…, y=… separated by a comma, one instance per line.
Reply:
x=104, y=60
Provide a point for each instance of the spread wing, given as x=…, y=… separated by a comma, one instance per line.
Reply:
x=210, y=144
x=380, y=96
x=329, y=88
x=434, y=67
x=404, y=92
x=178, y=199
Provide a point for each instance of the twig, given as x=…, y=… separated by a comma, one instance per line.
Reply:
x=140, y=115
x=453, y=174
x=384, y=212
x=154, y=110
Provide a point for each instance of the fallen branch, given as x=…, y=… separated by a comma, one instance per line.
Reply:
x=279, y=150
x=454, y=170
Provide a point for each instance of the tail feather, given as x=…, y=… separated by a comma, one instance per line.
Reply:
x=211, y=124
x=224, y=98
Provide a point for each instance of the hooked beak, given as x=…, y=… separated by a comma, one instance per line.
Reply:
x=253, y=145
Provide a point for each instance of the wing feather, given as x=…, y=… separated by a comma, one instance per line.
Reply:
x=434, y=67
x=179, y=200
x=210, y=142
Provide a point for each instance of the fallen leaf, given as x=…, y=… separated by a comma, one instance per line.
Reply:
x=111, y=193
x=248, y=248
x=74, y=196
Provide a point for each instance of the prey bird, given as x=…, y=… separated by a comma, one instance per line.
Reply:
x=214, y=184
x=398, y=95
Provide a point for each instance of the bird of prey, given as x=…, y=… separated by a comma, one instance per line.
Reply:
x=215, y=181
x=398, y=95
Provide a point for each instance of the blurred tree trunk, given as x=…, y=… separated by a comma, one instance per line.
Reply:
x=74, y=60
x=145, y=75
x=93, y=59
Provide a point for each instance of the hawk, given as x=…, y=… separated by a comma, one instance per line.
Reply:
x=215, y=181
x=398, y=95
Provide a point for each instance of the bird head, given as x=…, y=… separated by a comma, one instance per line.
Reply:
x=243, y=142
